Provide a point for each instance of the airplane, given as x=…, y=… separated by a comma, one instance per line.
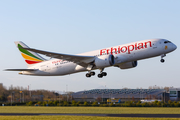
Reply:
x=121, y=56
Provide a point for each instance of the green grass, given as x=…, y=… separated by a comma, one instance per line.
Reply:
x=96, y=110
x=76, y=118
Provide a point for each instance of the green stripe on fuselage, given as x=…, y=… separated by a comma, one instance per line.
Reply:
x=27, y=52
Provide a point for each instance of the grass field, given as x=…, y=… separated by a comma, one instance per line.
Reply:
x=96, y=110
x=75, y=118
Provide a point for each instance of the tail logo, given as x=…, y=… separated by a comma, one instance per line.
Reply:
x=29, y=57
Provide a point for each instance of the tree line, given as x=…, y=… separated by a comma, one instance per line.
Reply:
x=98, y=104
x=20, y=94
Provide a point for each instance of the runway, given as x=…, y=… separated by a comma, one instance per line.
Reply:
x=100, y=115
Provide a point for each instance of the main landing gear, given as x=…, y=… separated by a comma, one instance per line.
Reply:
x=162, y=56
x=89, y=74
x=102, y=74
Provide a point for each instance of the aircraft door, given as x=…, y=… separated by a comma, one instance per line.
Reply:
x=154, y=45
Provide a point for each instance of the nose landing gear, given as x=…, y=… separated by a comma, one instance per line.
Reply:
x=162, y=60
x=162, y=56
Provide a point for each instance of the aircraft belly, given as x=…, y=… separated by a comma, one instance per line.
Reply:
x=64, y=69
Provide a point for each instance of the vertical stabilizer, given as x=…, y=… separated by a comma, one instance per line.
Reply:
x=31, y=58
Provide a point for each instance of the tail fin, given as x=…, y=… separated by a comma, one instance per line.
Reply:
x=30, y=57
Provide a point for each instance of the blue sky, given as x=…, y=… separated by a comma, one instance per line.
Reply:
x=72, y=27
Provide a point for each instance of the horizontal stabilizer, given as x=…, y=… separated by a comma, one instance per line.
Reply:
x=20, y=69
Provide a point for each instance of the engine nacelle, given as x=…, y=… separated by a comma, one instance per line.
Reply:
x=104, y=61
x=128, y=65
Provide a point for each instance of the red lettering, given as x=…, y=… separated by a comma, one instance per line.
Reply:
x=147, y=43
x=112, y=50
x=119, y=50
x=136, y=46
x=140, y=46
x=130, y=48
x=102, y=51
x=107, y=51
x=122, y=50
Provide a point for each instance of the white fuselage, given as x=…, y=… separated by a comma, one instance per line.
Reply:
x=122, y=54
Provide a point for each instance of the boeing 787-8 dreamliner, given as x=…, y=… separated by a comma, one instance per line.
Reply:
x=122, y=56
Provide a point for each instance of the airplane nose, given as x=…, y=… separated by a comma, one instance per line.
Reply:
x=174, y=47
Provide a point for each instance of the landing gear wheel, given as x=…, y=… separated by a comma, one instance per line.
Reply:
x=92, y=73
x=104, y=73
x=162, y=56
x=100, y=75
x=88, y=75
x=162, y=60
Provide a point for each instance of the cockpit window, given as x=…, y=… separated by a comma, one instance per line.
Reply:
x=167, y=42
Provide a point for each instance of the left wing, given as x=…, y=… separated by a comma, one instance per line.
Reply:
x=78, y=59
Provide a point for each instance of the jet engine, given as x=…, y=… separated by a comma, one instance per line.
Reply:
x=104, y=61
x=128, y=65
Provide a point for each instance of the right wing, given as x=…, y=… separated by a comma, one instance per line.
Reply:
x=78, y=59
